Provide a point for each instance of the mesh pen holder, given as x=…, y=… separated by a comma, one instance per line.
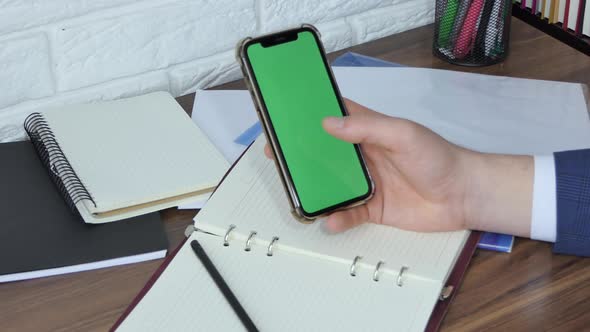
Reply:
x=472, y=32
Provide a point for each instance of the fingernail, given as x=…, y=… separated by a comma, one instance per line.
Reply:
x=334, y=122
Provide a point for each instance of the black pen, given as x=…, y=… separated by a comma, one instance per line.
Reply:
x=223, y=287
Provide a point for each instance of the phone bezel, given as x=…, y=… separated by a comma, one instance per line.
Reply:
x=273, y=40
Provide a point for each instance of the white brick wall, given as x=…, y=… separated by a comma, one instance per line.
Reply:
x=61, y=51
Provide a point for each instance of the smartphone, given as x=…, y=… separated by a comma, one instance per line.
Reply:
x=293, y=89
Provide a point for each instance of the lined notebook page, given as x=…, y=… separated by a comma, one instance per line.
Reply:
x=136, y=150
x=252, y=198
x=285, y=292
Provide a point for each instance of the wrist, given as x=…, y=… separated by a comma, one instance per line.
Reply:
x=499, y=190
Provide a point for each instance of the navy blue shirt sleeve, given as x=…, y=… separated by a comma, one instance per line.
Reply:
x=572, y=170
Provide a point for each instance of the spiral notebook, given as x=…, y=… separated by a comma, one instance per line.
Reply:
x=118, y=159
x=297, y=277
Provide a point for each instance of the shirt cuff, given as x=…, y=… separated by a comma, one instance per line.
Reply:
x=544, y=211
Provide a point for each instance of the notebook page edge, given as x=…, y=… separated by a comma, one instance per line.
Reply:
x=136, y=210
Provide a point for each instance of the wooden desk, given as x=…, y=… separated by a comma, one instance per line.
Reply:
x=529, y=289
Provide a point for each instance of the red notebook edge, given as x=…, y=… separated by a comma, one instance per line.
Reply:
x=147, y=286
x=455, y=279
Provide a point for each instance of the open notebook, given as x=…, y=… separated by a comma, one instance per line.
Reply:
x=306, y=284
x=119, y=159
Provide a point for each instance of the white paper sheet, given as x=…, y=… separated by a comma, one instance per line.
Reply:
x=223, y=115
x=481, y=112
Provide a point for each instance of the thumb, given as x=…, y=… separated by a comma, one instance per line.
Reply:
x=362, y=126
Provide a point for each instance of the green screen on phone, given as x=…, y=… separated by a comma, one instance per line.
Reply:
x=298, y=94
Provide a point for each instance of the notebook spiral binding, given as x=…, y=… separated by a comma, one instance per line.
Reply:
x=58, y=166
x=269, y=252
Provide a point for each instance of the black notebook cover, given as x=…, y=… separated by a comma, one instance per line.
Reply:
x=40, y=235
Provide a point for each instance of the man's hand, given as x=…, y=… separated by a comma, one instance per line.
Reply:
x=425, y=183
